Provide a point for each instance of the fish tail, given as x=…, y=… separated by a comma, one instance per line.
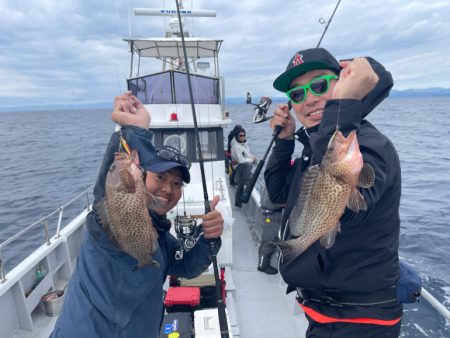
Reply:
x=356, y=201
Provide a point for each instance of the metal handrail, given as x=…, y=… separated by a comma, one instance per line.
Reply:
x=43, y=220
x=435, y=303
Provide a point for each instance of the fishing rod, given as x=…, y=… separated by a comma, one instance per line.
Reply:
x=223, y=323
x=261, y=113
x=245, y=197
x=322, y=21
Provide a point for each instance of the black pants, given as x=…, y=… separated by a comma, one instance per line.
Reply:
x=269, y=234
x=351, y=330
x=242, y=175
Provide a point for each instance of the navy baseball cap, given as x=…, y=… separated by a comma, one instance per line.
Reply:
x=156, y=159
x=304, y=61
x=167, y=158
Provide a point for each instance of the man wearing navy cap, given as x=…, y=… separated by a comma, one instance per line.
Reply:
x=107, y=296
x=348, y=290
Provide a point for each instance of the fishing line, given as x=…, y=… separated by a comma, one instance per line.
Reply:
x=338, y=115
x=119, y=85
x=207, y=134
x=184, y=204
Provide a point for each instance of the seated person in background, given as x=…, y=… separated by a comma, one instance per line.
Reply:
x=228, y=151
x=242, y=160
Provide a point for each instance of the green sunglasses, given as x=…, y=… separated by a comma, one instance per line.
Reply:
x=317, y=87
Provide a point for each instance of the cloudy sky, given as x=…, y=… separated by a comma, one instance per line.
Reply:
x=71, y=51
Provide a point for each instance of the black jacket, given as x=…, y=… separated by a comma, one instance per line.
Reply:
x=364, y=257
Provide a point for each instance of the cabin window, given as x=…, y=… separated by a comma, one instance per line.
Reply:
x=208, y=143
x=157, y=88
x=205, y=90
x=144, y=88
x=211, y=141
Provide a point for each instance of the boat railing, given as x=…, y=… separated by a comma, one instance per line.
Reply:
x=44, y=221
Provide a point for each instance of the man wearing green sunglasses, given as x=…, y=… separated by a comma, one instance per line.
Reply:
x=348, y=290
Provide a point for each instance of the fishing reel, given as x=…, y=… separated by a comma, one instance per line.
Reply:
x=189, y=232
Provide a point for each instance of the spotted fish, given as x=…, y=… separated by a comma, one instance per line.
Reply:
x=326, y=190
x=123, y=212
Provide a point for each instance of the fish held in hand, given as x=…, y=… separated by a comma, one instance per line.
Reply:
x=326, y=190
x=123, y=212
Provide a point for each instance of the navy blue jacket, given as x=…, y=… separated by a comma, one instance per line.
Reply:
x=364, y=257
x=105, y=297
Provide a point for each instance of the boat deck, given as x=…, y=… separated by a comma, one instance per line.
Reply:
x=263, y=309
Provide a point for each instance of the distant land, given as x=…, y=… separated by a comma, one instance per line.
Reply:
x=395, y=94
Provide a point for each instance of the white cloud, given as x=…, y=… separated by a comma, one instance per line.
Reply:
x=72, y=51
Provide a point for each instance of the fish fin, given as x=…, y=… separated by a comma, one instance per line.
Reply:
x=152, y=202
x=126, y=177
x=120, y=156
x=366, y=176
x=289, y=250
x=150, y=263
x=135, y=157
x=356, y=201
x=298, y=215
x=112, y=167
x=328, y=239
x=102, y=212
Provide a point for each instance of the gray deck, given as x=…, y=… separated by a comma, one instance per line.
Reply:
x=262, y=306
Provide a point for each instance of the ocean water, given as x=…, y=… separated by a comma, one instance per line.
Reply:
x=48, y=157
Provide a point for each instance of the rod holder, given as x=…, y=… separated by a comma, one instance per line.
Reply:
x=58, y=229
x=2, y=272
x=47, y=236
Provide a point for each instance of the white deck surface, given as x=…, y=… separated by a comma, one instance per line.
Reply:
x=262, y=306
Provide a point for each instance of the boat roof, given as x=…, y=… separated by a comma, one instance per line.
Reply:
x=172, y=47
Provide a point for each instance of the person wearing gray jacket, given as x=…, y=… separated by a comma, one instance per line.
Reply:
x=241, y=160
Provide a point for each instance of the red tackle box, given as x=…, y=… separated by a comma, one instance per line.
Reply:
x=182, y=298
